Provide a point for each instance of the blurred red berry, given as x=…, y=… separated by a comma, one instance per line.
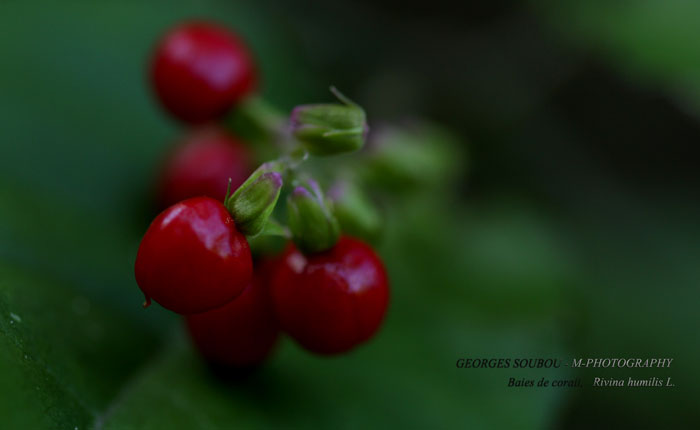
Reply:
x=243, y=332
x=192, y=258
x=331, y=301
x=202, y=164
x=200, y=70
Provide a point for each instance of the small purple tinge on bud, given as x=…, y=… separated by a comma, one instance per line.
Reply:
x=315, y=189
x=301, y=193
x=274, y=178
x=294, y=121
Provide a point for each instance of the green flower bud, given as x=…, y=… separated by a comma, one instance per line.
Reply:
x=414, y=157
x=312, y=223
x=253, y=202
x=327, y=129
x=355, y=212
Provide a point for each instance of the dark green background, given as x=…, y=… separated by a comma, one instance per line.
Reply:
x=574, y=233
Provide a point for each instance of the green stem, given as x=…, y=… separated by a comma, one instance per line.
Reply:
x=256, y=120
x=275, y=228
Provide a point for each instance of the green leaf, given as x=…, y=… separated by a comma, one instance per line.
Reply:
x=62, y=353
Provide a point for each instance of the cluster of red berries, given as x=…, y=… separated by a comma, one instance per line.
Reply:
x=326, y=290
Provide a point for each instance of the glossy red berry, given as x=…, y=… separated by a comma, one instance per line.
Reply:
x=192, y=258
x=200, y=70
x=243, y=332
x=331, y=301
x=202, y=164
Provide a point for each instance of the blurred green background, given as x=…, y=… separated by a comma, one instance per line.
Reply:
x=572, y=233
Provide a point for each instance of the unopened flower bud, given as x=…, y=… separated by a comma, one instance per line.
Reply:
x=253, y=202
x=417, y=156
x=312, y=223
x=327, y=129
x=355, y=212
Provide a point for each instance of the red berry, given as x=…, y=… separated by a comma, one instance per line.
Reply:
x=331, y=301
x=200, y=70
x=243, y=332
x=192, y=258
x=202, y=164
